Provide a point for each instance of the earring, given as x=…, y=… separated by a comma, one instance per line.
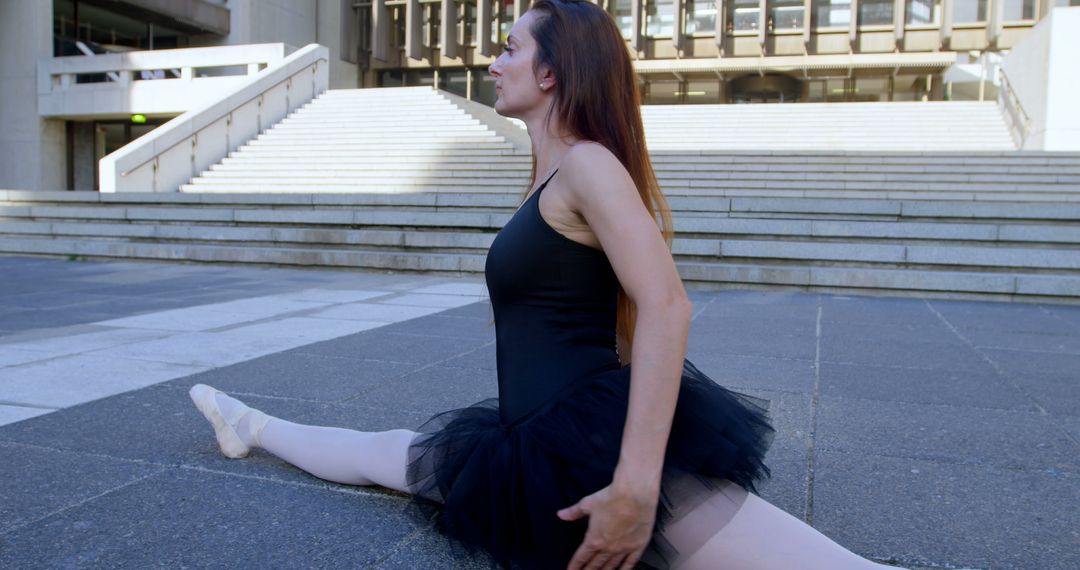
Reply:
x=541, y=86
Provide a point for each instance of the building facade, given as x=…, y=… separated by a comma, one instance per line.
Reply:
x=716, y=51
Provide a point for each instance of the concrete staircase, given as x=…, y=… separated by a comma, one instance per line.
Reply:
x=357, y=179
x=985, y=248
x=895, y=126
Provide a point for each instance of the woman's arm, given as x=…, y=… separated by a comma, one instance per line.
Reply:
x=659, y=347
x=621, y=516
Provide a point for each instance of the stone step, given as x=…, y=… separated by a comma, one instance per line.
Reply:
x=687, y=179
x=18, y=203
x=396, y=123
x=482, y=140
x=726, y=249
x=689, y=229
x=430, y=152
x=1006, y=283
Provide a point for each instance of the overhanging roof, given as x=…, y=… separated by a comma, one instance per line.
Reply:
x=190, y=16
x=841, y=61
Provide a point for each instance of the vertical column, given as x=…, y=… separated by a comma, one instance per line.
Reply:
x=380, y=30
x=636, y=40
x=520, y=7
x=448, y=29
x=678, y=29
x=947, y=8
x=33, y=151
x=763, y=22
x=721, y=24
x=853, y=26
x=483, y=27
x=414, y=39
x=994, y=25
x=899, y=19
x=808, y=12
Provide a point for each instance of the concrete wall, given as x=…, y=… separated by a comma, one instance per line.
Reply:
x=294, y=22
x=32, y=150
x=1063, y=91
x=1044, y=75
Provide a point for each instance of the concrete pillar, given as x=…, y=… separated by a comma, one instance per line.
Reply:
x=763, y=22
x=637, y=41
x=414, y=31
x=448, y=29
x=483, y=28
x=721, y=23
x=947, y=9
x=33, y=153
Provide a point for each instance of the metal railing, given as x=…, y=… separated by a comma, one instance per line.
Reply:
x=1018, y=119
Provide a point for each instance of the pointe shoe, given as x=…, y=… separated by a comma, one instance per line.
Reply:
x=224, y=428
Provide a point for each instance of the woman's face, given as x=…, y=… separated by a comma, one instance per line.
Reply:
x=517, y=87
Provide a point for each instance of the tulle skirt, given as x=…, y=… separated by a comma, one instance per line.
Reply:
x=497, y=487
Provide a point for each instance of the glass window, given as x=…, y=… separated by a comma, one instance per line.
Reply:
x=502, y=19
x=454, y=81
x=831, y=13
x=969, y=11
x=703, y=91
x=700, y=17
x=875, y=12
x=624, y=18
x=1019, y=10
x=659, y=18
x=743, y=15
x=398, y=39
x=923, y=12
x=872, y=88
x=466, y=31
x=1064, y=3
x=785, y=15
x=663, y=92
x=432, y=18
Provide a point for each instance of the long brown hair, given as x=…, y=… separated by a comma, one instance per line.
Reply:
x=598, y=100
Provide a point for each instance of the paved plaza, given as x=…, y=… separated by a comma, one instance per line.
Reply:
x=917, y=432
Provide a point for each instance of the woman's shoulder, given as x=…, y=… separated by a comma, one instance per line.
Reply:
x=591, y=167
x=589, y=162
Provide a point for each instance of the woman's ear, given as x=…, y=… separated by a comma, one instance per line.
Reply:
x=546, y=79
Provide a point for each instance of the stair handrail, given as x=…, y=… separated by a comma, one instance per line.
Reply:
x=1019, y=120
x=171, y=155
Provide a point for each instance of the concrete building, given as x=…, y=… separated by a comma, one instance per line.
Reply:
x=79, y=79
x=58, y=147
x=720, y=51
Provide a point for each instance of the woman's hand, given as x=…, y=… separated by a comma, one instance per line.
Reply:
x=620, y=527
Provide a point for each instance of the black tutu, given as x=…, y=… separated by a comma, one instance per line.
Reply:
x=498, y=487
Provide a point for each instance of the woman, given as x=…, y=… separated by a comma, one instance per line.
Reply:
x=584, y=460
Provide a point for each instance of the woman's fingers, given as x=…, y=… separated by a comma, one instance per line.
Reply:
x=614, y=562
x=599, y=561
x=630, y=561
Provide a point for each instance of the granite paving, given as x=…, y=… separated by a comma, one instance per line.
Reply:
x=920, y=433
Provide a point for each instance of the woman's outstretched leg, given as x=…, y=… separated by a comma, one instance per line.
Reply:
x=336, y=454
x=759, y=536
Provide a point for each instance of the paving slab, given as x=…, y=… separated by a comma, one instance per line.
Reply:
x=209, y=520
x=395, y=347
x=70, y=380
x=947, y=514
x=941, y=432
x=923, y=433
x=36, y=482
x=296, y=374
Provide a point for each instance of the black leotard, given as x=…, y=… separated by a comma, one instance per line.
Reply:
x=497, y=471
